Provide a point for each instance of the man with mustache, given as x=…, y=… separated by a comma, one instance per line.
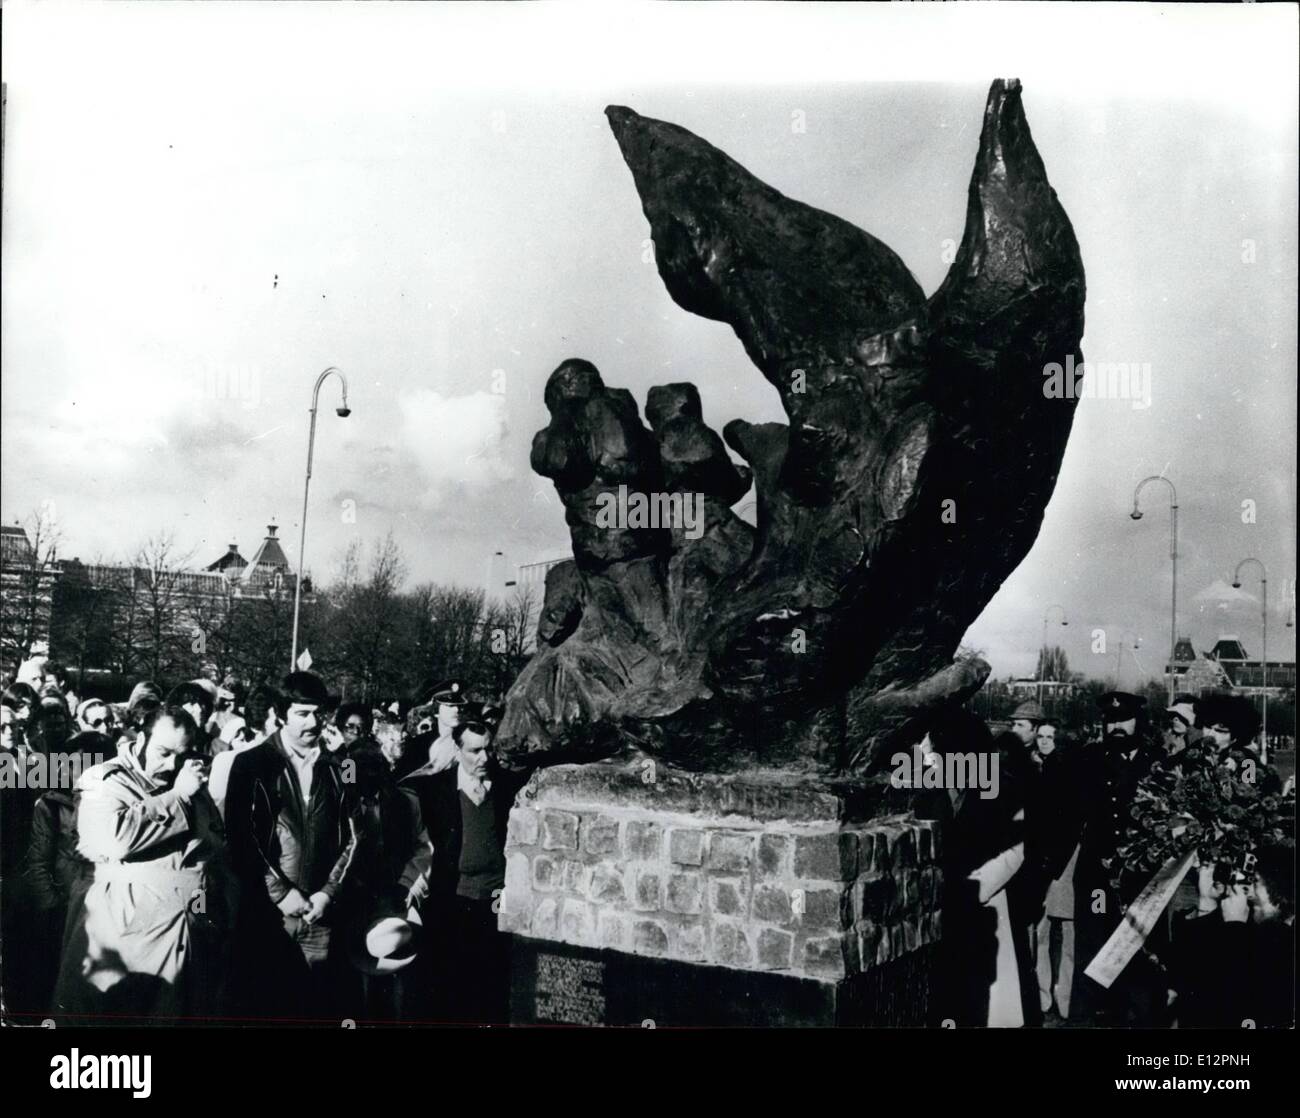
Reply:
x=148, y=941
x=292, y=819
x=1109, y=774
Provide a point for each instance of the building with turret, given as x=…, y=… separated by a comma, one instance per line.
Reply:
x=1247, y=676
x=84, y=613
x=1226, y=667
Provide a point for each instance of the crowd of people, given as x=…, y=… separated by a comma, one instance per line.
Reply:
x=213, y=853
x=219, y=853
x=1036, y=885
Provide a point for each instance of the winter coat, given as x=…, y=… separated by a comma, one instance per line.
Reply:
x=148, y=937
x=54, y=864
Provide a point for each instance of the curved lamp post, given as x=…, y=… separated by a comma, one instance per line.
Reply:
x=1042, y=662
x=1136, y=514
x=1263, y=582
x=344, y=411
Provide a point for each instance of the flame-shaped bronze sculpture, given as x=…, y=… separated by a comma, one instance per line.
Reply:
x=911, y=480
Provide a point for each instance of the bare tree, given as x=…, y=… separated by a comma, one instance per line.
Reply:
x=367, y=636
x=169, y=639
x=27, y=576
x=510, y=628
x=459, y=648
x=1053, y=664
x=261, y=629
x=215, y=616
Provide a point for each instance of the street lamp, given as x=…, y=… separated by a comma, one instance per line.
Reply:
x=1042, y=659
x=1136, y=514
x=1263, y=583
x=1119, y=659
x=344, y=411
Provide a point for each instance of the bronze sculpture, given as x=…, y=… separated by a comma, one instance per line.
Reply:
x=910, y=482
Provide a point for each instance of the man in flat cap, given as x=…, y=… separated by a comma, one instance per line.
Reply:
x=436, y=748
x=1108, y=780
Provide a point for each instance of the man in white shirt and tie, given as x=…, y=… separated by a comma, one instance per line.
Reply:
x=465, y=809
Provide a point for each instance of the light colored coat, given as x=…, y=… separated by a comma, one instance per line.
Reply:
x=147, y=938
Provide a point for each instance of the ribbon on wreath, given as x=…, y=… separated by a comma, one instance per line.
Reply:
x=1139, y=919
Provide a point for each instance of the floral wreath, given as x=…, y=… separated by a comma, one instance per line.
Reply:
x=1223, y=807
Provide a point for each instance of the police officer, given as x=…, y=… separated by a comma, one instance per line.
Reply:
x=1109, y=775
x=436, y=748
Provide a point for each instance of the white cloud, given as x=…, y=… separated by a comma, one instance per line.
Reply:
x=456, y=441
x=1221, y=594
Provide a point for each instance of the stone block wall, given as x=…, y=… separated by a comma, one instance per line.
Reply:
x=770, y=890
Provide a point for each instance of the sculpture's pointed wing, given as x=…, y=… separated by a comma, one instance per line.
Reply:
x=1017, y=283
x=786, y=276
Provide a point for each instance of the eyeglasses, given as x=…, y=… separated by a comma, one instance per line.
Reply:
x=98, y=723
x=353, y=728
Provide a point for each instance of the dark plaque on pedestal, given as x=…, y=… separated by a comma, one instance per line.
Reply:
x=560, y=984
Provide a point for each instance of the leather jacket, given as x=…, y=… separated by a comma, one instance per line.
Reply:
x=277, y=838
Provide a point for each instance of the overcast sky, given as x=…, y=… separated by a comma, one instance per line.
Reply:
x=206, y=205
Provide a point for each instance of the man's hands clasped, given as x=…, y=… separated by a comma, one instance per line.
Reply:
x=308, y=909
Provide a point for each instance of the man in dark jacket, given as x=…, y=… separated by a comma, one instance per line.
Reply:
x=1020, y=766
x=292, y=821
x=1108, y=778
x=465, y=810
x=16, y=805
x=58, y=874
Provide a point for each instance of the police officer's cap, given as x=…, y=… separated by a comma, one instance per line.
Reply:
x=449, y=693
x=1120, y=706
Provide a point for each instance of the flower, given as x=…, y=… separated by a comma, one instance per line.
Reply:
x=1220, y=811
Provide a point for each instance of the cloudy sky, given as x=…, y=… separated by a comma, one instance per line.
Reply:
x=206, y=205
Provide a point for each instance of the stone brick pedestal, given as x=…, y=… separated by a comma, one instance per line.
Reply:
x=637, y=893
